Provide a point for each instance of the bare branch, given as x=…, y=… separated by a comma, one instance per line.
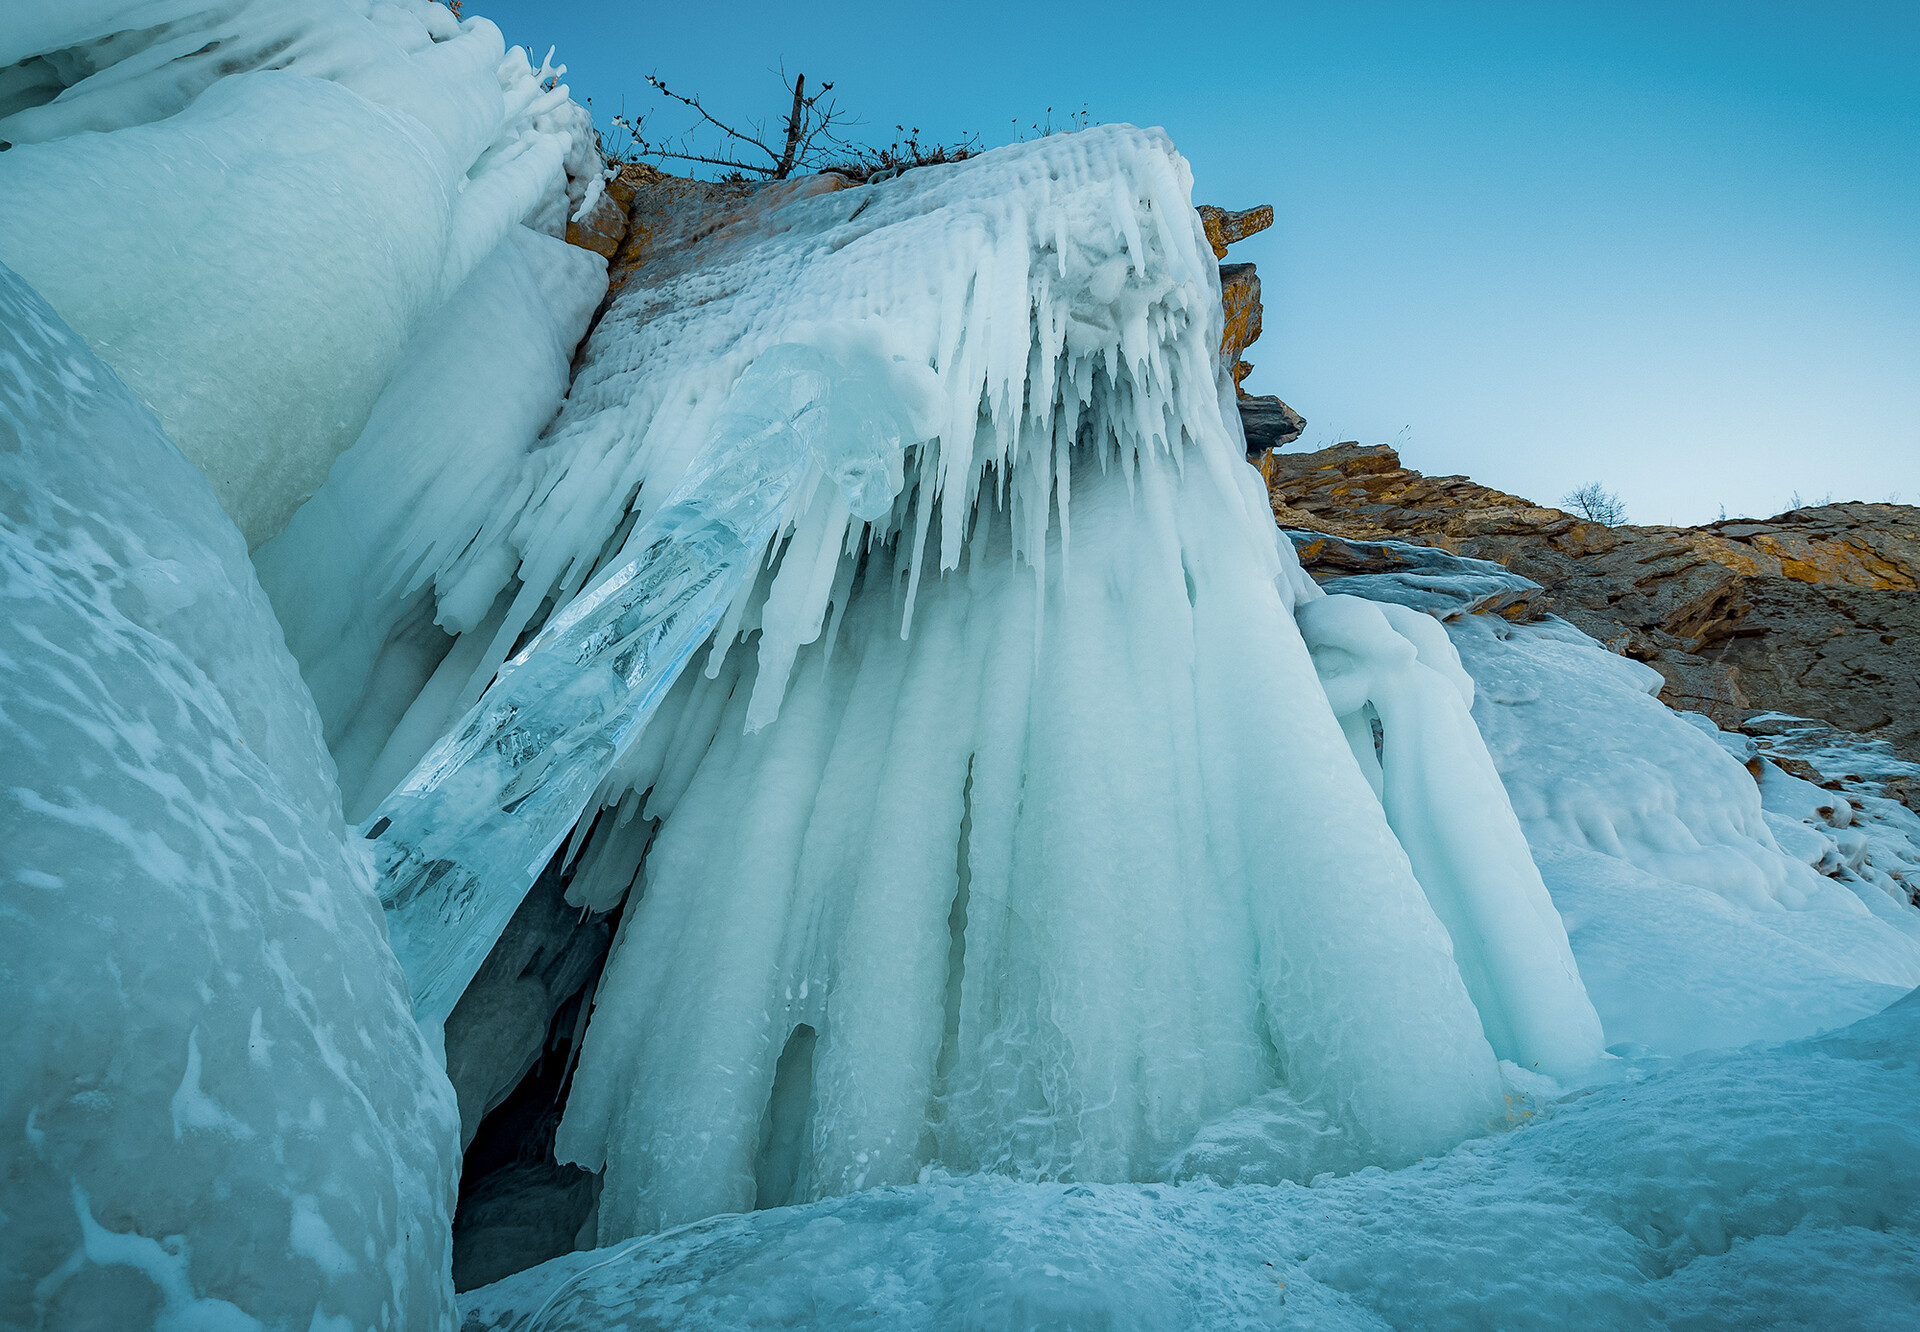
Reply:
x=801, y=107
x=694, y=102
x=812, y=138
x=1596, y=504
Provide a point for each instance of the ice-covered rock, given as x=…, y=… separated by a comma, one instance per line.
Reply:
x=247, y=206
x=217, y=1109
x=973, y=850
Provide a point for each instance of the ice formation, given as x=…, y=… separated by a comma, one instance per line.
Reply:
x=217, y=1108
x=382, y=566
x=247, y=206
x=1043, y=848
x=466, y=834
x=876, y=632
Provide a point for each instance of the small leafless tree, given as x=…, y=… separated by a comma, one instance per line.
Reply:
x=808, y=134
x=1596, y=504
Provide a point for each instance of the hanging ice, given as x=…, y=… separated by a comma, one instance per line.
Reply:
x=1032, y=855
x=465, y=835
x=246, y=206
x=1387, y=664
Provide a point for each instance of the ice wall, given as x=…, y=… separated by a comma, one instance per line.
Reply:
x=247, y=206
x=217, y=1108
x=1008, y=826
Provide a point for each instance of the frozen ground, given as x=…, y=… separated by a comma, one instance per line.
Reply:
x=1777, y=1186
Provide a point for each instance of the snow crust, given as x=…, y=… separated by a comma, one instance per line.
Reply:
x=1697, y=915
x=218, y=1110
x=248, y=206
x=1776, y=1187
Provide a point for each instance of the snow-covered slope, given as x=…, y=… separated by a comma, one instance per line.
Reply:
x=1698, y=918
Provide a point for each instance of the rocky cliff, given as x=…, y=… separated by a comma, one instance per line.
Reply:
x=1815, y=612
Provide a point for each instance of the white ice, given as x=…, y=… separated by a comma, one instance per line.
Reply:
x=1773, y=1187
x=375, y=577
x=247, y=206
x=217, y=1109
x=460, y=841
x=1020, y=836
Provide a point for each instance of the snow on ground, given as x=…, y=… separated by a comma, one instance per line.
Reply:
x=1776, y=1186
x=1697, y=915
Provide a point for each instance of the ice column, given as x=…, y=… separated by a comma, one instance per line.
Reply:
x=1445, y=802
x=215, y=1096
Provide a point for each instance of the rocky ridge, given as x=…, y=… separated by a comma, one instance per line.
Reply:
x=1813, y=613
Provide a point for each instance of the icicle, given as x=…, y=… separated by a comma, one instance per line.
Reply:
x=1445, y=802
x=464, y=836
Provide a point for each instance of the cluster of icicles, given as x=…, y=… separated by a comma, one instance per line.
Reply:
x=1030, y=811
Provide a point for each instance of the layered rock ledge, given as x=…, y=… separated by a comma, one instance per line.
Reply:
x=1814, y=612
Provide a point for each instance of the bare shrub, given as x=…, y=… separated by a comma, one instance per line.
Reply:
x=1596, y=504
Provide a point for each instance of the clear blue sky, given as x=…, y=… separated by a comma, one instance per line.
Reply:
x=1674, y=247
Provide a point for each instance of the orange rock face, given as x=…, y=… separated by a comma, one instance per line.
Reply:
x=1268, y=422
x=1224, y=228
x=674, y=221
x=605, y=225
x=1815, y=612
x=1240, y=297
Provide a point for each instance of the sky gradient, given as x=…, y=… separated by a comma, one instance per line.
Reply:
x=1671, y=247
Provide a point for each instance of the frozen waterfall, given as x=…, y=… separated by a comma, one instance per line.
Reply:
x=1007, y=825
x=467, y=833
x=960, y=837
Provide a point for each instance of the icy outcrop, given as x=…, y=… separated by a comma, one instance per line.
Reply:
x=247, y=206
x=972, y=849
x=464, y=836
x=1772, y=1187
x=1855, y=794
x=1030, y=831
x=1694, y=922
x=217, y=1108
x=401, y=550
